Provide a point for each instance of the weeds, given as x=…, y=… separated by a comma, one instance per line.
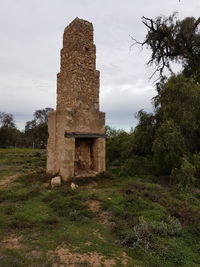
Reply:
x=157, y=225
x=139, y=236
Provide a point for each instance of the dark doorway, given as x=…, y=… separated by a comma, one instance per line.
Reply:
x=84, y=156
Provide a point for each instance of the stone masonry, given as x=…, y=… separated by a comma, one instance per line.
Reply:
x=76, y=144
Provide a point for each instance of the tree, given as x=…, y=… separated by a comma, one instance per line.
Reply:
x=117, y=144
x=172, y=40
x=184, y=175
x=143, y=134
x=41, y=115
x=6, y=120
x=36, y=130
x=9, y=135
x=178, y=100
x=168, y=148
x=172, y=131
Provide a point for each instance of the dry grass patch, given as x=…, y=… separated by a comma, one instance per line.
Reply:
x=94, y=205
x=11, y=242
x=70, y=258
x=8, y=179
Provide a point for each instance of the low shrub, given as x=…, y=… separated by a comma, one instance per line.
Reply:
x=170, y=227
x=137, y=165
x=184, y=176
x=196, y=163
x=139, y=236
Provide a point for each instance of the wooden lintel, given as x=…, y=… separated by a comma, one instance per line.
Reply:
x=84, y=135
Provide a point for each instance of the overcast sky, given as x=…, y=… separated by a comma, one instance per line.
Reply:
x=31, y=39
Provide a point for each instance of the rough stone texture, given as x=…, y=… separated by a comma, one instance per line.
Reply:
x=73, y=186
x=77, y=109
x=56, y=181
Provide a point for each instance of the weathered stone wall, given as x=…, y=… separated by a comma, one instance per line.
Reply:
x=78, y=81
x=77, y=102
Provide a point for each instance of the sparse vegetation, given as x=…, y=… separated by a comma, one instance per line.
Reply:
x=153, y=224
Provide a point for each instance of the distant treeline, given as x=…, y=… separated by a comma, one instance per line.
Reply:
x=35, y=133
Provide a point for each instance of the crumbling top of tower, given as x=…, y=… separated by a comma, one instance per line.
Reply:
x=78, y=30
x=78, y=80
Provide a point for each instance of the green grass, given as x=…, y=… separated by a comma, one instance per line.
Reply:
x=155, y=225
x=21, y=159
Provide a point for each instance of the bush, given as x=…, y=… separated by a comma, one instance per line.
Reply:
x=184, y=176
x=170, y=227
x=174, y=226
x=196, y=162
x=168, y=147
x=137, y=165
x=139, y=236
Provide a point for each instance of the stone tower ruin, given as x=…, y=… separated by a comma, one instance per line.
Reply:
x=76, y=144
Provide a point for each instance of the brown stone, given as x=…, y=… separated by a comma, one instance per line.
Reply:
x=73, y=186
x=56, y=181
x=76, y=145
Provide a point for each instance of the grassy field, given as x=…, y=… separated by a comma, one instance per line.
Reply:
x=107, y=221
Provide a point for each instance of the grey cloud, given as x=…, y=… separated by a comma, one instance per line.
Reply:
x=31, y=39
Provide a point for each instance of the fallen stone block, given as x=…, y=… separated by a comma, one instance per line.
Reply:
x=56, y=181
x=73, y=186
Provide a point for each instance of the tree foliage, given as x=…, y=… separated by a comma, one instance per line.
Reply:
x=9, y=135
x=116, y=145
x=35, y=134
x=178, y=100
x=173, y=41
x=184, y=175
x=175, y=131
x=168, y=147
x=169, y=137
x=7, y=120
x=144, y=133
x=36, y=130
